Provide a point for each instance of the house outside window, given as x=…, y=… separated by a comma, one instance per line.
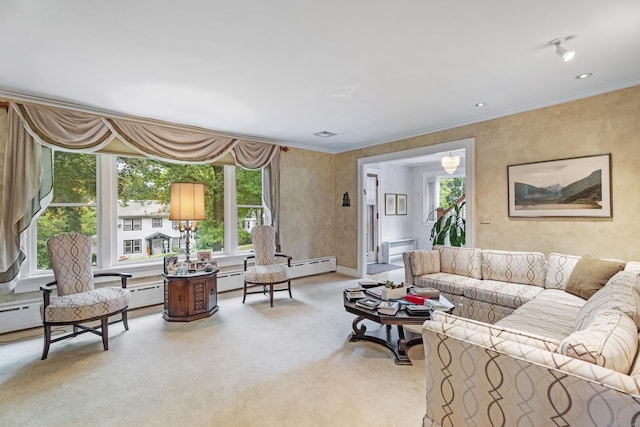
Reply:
x=156, y=222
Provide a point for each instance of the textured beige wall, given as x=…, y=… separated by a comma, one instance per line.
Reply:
x=608, y=123
x=308, y=203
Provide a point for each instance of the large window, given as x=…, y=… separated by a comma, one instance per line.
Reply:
x=442, y=192
x=131, y=197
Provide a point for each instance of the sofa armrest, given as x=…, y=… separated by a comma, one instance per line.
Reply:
x=495, y=381
x=408, y=272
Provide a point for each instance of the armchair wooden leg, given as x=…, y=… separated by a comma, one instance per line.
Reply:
x=271, y=294
x=125, y=320
x=47, y=341
x=244, y=295
x=289, y=286
x=105, y=332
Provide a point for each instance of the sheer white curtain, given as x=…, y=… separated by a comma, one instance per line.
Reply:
x=28, y=165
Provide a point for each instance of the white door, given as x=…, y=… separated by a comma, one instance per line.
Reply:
x=371, y=197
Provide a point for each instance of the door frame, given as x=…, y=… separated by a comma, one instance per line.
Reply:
x=376, y=225
x=467, y=144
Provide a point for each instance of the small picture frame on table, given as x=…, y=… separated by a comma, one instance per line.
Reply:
x=204, y=256
x=170, y=264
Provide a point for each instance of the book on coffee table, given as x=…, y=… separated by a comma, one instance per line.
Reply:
x=354, y=295
x=368, y=303
x=388, y=307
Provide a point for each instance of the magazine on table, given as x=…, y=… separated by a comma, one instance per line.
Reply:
x=354, y=295
x=440, y=304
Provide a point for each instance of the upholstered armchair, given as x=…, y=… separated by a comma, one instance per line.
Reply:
x=78, y=301
x=266, y=272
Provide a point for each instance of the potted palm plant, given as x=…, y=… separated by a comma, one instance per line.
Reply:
x=451, y=225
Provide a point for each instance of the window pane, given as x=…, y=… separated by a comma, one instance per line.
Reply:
x=63, y=219
x=144, y=187
x=249, y=205
x=74, y=178
x=451, y=189
x=74, y=183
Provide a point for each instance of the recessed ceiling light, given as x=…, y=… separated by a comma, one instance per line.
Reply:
x=481, y=104
x=325, y=134
x=584, y=76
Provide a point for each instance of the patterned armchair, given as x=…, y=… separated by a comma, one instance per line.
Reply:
x=78, y=301
x=266, y=272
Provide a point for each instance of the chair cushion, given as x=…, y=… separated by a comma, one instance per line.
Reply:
x=275, y=273
x=85, y=305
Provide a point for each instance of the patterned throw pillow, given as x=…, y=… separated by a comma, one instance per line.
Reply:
x=424, y=262
x=620, y=293
x=590, y=275
x=611, y=341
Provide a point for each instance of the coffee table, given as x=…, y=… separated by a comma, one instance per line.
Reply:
x=397, y=343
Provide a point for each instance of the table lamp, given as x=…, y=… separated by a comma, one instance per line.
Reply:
x=187, y=204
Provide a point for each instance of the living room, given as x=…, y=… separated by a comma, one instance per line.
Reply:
x=314, y=224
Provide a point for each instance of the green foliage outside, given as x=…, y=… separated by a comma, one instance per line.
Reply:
x=451, y=189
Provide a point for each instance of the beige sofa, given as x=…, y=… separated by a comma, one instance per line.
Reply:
x=520, y=350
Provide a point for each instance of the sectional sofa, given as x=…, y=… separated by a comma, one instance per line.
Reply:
x=534, y=340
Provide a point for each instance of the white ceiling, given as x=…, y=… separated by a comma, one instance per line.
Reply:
x=371, y=71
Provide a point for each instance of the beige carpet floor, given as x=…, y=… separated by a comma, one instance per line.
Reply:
x=290, y=365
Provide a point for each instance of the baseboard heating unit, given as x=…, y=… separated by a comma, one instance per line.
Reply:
x=25, y=314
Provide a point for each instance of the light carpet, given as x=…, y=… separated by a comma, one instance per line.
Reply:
x=248, y=364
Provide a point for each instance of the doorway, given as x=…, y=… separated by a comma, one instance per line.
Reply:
x=416, y=210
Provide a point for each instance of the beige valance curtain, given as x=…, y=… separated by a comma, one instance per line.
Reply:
x=28, y=175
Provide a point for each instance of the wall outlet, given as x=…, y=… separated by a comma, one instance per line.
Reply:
x=485, y=219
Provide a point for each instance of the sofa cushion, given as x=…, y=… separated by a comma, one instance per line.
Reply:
x=515, y=267
x=424, y=262
x=462, y=261
x=620, y=293
x=552, y=314
x=453, y=284
x=590, y=275
x=559, y=268
x=611, y=341
x=502, y=293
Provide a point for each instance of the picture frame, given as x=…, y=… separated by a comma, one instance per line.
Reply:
x=389, y=204
x=401, y=204
x=572, y=187
x=204, y=256
x=170, y=264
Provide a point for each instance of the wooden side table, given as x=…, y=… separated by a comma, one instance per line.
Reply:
x=190, y=297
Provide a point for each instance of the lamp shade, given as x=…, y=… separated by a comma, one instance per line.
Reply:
x=187, y=201
x=450, y=163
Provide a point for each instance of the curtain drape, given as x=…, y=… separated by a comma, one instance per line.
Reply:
x=28, y=174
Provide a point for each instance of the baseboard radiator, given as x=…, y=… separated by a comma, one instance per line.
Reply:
x=393, y=249
x=15, y=316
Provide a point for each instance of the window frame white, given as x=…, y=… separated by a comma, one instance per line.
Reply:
x=107, y=250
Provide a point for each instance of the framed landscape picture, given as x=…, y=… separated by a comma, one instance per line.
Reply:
x=575, y=187
x=389, y=204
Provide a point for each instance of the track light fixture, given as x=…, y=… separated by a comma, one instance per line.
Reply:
x=566, y=55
